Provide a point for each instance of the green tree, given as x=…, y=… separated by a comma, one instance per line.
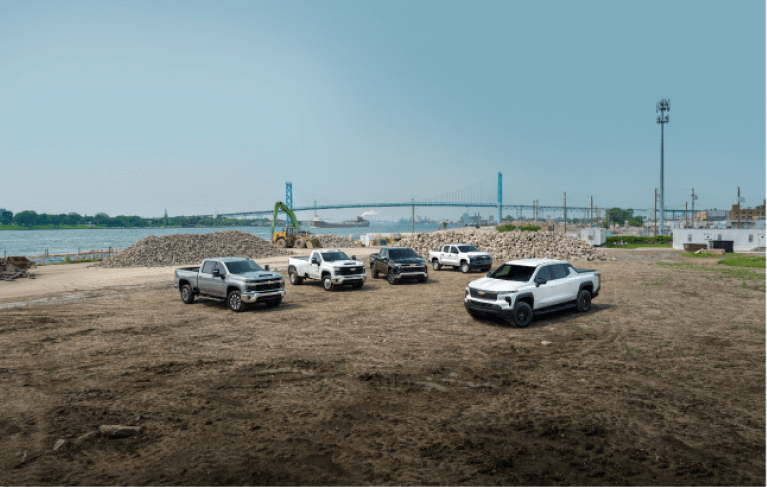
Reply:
x=26, y=218
x=618, y=215
x=6, y=217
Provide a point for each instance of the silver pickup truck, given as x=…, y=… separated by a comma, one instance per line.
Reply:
x=239, y=281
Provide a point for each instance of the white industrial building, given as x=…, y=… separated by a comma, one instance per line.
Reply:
x=743, y=239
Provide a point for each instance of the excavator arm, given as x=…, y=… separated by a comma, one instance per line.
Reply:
x=282, y=206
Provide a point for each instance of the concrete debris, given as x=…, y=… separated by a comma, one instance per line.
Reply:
x=9, y=271
x=59, y=444
x=331, y=241
x=118, y=431
x=505, y=246
x=547, y=343
x=189, y=248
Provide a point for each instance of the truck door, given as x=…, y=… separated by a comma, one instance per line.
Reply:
x=564, y=287
x=545, y=294
x=453, y=255
x=218, y=284
x=315, y=260
x=205, y=277
x=382, y=264
x=443, y=256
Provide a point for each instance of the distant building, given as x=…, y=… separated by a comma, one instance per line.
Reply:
x=466, y=218
x=710, y=215
x=747, y=213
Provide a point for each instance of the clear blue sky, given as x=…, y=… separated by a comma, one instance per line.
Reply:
x=133, y=107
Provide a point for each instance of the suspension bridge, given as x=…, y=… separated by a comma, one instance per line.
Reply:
x=466, y=198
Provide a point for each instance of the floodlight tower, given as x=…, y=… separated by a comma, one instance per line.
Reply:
x=662, y=107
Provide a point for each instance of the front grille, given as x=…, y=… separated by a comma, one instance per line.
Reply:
x=268, y=286
x=348, y=271
x=417, y=268
x=482, y=306
x=488, y=296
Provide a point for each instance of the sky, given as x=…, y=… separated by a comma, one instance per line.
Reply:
x=135, y=107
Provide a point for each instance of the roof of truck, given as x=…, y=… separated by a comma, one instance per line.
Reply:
x=536, y=262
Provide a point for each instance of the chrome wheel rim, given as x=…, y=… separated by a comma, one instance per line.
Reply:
x=234, y=301
x=185, y=293
x=435, y=265
x=293, y=278
x=391, y=278
x=327, y=283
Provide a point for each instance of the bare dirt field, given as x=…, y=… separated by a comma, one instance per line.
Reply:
x=662, y=382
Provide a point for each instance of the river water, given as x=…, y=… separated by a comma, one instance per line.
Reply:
x=36, y=242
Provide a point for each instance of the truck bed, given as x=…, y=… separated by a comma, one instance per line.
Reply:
x=298, y=258
x=190, y=269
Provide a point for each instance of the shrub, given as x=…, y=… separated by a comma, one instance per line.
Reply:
x=505, y=228
x=529, y=228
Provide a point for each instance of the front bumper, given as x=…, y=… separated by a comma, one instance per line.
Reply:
x=488, y=308
x=348, y=279
x=411, y=275
x=261, y=296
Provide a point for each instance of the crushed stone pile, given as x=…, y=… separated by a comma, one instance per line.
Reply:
x=192, y=248
x=506, y=246
x=331, y=240
x=9, y=272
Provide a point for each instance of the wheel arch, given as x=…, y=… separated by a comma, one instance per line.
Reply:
x=528, y=298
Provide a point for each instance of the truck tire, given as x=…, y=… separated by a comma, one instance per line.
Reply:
x=390, y=277
x=465, y=267
x=327, y=283
x=436, y=265
x=187, y=296
x=295, y=279
x=234, y=300
x=273, y=303
x=373, y=272
x=584, y=301
x=522, y=315
x=281, y=243
x=300, y=243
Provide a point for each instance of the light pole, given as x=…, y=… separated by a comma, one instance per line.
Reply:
x=662, y=107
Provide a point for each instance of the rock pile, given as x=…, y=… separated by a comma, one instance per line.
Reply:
x=9, y=272
x=330, y=241
x=507, y=245
x=191, y=248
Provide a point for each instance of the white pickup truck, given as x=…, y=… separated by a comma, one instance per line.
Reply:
x=331, y=266
x=519, y=288
x=464, y=256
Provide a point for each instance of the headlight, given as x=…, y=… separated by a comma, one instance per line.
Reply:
x=506, y=293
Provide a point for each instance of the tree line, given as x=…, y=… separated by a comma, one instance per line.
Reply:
x=31, y=219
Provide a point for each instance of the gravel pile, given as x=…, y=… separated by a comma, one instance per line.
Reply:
x=330, y=241
x=9, y=272
x=508, y=245
x=192, y=248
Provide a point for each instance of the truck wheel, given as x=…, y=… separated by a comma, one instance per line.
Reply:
x=327, y=283
x=295, y=279
x=282, y=243
x=584, y=301
x=300, y=243
x=235, y=301
x=390, y=277
x=187, y=296
x=465, y=267
x=436, y=265
x=522, y=315
x=373, y=272
x=273, y=303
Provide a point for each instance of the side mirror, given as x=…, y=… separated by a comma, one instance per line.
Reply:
x=216, y=273
x=540, y=280
x=315, y=262
x=354, y=257
x=266, y=267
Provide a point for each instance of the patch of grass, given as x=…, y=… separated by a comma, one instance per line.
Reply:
x=641, y=246
x=694, y=255
x=743, y=261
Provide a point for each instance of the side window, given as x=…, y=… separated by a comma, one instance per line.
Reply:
x=207, y=267
x=558, y=271
x=751, y=238
x=544, y=273
x=689, y=237
x=220, y=268
x=453, y=250
x=446, y=249
x=384, y=253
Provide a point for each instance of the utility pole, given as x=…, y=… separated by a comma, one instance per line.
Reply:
x=686, y=221
x=591, y=213
x=662, y=107
x=412, y=228
x=655, y=212
x=692, y=213
x=565, y=212
x=738, y=206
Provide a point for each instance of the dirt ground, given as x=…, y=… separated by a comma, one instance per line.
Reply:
x=662, y=382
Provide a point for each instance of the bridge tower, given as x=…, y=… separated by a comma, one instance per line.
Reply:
x=500, y=196
x=289, y=199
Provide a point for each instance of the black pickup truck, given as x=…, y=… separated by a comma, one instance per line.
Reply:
x=397, y=263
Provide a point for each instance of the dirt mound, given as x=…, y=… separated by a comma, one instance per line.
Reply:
x=9, y=272
x=505, y=246
x=331, y=240
x=20, y=262
x=191, y=248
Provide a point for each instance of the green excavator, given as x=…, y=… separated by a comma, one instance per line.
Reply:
x=292, y=236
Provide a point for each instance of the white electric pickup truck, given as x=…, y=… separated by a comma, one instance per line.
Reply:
x=464, y=256
x=520, y=288
x=331, y=266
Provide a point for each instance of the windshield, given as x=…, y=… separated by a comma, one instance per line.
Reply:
x=334, y=256
x=402, y=254
x=467, y=248
x=242, y=266
x=510, y=272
